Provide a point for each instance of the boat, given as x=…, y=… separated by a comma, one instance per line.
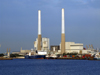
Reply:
x=52, y=56
x=38, y=55
x=97, y=56
x=47, y=56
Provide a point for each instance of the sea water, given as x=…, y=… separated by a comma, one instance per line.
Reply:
x=49, y=67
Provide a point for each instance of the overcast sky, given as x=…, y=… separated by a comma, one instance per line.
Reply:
x=19, y=22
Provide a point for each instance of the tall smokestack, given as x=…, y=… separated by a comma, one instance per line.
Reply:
x=7, y=51
x=39, y=30
x=63, y=33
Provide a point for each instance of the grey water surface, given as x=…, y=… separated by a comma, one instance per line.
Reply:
x=49, y=67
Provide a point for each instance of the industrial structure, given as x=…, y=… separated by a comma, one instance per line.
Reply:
x=8, y=52
x=39, y=30
x=22, y=52
x=72, y=47
x=55, y=48
x=63, y=33
x=45, y=44
x=64, y=47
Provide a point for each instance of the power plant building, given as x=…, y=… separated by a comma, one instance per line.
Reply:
x=45, y=44
x=72, y=47
x=55, y=48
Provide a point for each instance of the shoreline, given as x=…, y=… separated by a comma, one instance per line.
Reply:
x=66, y=58
x=2, y=58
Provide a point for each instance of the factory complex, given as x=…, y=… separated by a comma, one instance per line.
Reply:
x=42, y=44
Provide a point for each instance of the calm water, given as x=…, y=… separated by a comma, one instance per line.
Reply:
x=49, y=67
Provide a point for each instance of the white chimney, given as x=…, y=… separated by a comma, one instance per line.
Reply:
x=63, y=23
x=39, y=22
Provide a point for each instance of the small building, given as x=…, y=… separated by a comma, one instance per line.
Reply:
x=22, y=52
x=25, y=51
x=15, y=52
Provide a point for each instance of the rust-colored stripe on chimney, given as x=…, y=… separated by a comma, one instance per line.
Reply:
x=39, y=42
x=62, y=43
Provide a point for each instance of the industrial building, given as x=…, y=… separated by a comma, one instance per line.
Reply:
x=45, y=44
x=55, y=48
x=72, y=47
x=22, y=52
